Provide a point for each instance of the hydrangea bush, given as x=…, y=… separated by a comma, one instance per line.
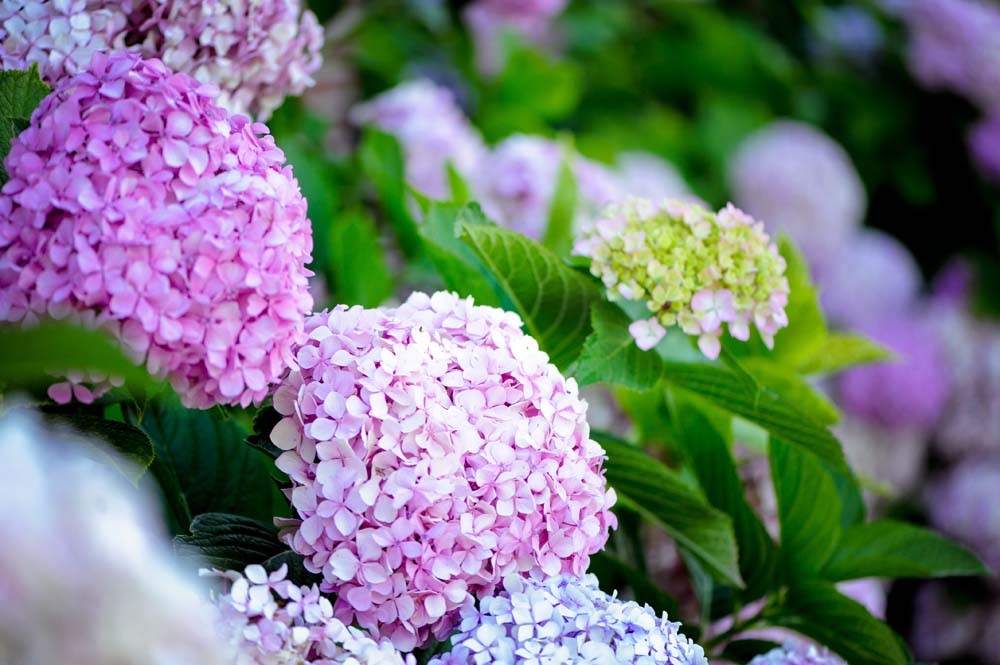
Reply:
x=548, y=405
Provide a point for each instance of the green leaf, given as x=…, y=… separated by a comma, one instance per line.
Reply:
x=806, y=325
x=297, y=572
x=457, y=186
x=216, y=470
x=357, y=264
x=562, y=210
x=553, y=299
x=724, y=389
x=842, y=350
x=382, y=163
x=611, y=355
x=455, y=261
x=20, y=94
x=128, y=441
x=709, y=453
x=894, y=549
x=793, y=389
x=660, y=495
x=28, y=354
x=808, y=509
x=817, y=610
x=228, y=542
x=610, y=569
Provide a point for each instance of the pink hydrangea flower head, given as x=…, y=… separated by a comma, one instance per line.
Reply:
x=60, y=36
x=489, y=19
x=871, y=276
x=257, y=52
x=700, y=270
x=962, y=504
x=432, y=131
x=953, y=47
x=138, y=205
x=908, y=392
x=517, y=182
x=433, y=449
x=798, y=180
x=88, y=573
x=267, y=619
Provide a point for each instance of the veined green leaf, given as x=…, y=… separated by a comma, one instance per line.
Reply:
x=840, y=351
x=611, y=355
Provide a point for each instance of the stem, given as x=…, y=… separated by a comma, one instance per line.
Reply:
x=737, y=628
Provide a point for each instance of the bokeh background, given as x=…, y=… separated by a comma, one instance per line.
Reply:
x=869, y=132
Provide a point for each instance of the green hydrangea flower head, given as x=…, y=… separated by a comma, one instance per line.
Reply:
x=700, y=270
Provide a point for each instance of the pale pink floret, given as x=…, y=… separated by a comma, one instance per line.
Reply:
x=433, y=449
x=647, y=333
x=137, y=205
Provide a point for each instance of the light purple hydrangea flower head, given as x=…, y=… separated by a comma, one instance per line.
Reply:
x=943, y=627
x=86, y=577
x=984, y=144
x=797, y=653
x=432, y=131
x=255, y=52
x=963, y=504
x=953, y=46
x=136, y=204
x=648, y=176
x=268, y=620
x=433, y=449
x=562, y=620
x=796, y=179
x=908, y=392
x=871, y=276
x=516, y=183
x=488, y=19
x=691, y=267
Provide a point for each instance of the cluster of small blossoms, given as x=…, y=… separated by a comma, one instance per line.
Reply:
x=489, y=19
x=516, y=183
x=963, y=505
x=432, y=131
x=562, y=620
x=256, y=53
x=87, y=578
x=433, y=449
x=693, y=268
x=268, y=620
x=797, y=654
x=138, y=205
x=798, y=180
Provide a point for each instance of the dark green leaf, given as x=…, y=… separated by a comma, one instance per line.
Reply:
x=458, y=265
x=793, y=389
x=228, y=542
x=20, y=94
x=894, y=549
x=817, y=610
x=724, y=389
x=743, y=651
x=611, y=355
x=808, y=508
x=659, y=494
x=806, y=325
x=842, y=350
x=297, y=572
x=709, y=452
x=127, y=440
x=264, y=422
x=357, y=265
x=382, y=162
x=562, y=210
x=27, y=354
x=553, y=299
x=215, y=469
x=607, y=567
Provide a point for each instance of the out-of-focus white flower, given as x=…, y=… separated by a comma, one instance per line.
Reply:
x=85, y=577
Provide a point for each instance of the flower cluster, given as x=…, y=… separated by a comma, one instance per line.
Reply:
x=963, y=505
x=256, y=53
x=984, y=144
x=563, y=620
x=953, y=47
x=432, y=131
x=267, y=619
x=517, y=181
x=648, y=176
x=798, y=180
x=692, y=267
x=87, y=579
x=433, y=450
x=61, y=36
x=137, y=204
x=488, y=19
x=797, y=654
